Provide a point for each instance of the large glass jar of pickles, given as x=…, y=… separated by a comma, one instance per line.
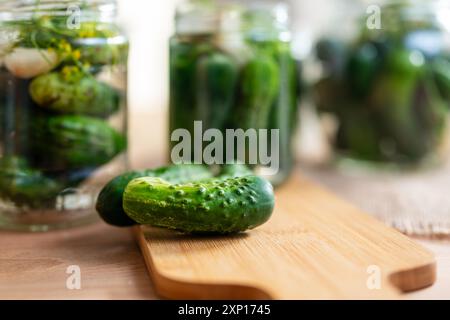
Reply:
x=387, y=89
x=231, y=68
x=62, y=110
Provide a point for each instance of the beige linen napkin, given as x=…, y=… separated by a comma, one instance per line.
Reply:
x=416, y=203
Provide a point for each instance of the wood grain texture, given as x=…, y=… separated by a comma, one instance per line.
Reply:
x=315, y=247
x=33, y=266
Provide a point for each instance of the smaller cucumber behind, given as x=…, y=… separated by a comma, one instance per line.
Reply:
x=393, y=98
x=215, y=207
x=109, y=202
x=235, y=170
x=74, y=142
x=25, y=186
x=259, y=84
x=216, y=77
x=441, y=71
x=83, y=95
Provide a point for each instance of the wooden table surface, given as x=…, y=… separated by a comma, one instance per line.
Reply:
x=34, y=266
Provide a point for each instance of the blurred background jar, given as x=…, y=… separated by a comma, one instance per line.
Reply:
x=383, y=86
x=62, y=110
x=231, y=67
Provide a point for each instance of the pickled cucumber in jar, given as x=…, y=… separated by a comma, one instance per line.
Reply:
x=62, y=111
x=231, y=67
x=388, y=88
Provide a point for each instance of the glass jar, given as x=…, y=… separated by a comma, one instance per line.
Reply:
x=232, y=71
x=384, y=89
x=62, y=110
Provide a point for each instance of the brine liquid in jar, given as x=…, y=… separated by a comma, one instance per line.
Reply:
x=62, y=111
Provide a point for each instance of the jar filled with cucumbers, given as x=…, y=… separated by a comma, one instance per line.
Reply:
x=231, y=68
x=385, y=92
x=62, y=110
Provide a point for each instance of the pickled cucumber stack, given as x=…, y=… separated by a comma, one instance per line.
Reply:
x=388, y=90
x=235, y=78
x=55, y=109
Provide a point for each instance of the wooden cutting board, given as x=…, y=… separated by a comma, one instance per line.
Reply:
x=316, y=246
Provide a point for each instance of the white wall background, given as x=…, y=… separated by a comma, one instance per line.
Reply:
x=149, y=24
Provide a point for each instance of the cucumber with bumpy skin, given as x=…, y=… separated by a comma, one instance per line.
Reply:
x=81, y=95
x=74, y=142
x=24, y=186
x=393, y=97
x=235, y=170
x=217, y=76
x=109, y=203
x=215, y=207
x=441, y=72
x=259, y=86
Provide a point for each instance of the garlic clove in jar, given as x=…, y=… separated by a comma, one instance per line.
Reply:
x=7, y=40
x=27, y=63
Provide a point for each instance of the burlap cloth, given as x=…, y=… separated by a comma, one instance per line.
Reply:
x=416, y=203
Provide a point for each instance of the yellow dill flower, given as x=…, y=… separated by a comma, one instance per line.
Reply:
x=76, y=54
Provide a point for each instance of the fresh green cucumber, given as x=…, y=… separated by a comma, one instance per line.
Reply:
x=332, y=53
x=215, y=207
x=441, y=70
x=24, y=186
x=393, y=96
x=228, y=171
x=183, y=82
x=81, y=95
x=362, y=68
x=259, y=86
x=359, y=136
x=74, y=142
x=217, y=76
x=109, y=203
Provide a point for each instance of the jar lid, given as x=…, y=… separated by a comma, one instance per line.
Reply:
x=27, y=9
x=196, y=17
x=208, y=17
x=266, y=18
x=277, y=11
x=231, y=18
